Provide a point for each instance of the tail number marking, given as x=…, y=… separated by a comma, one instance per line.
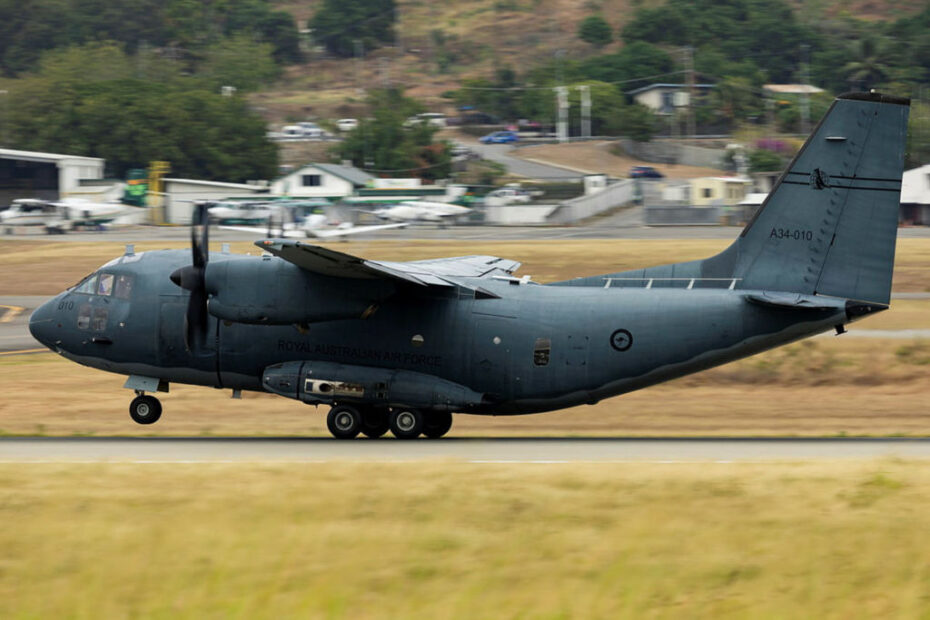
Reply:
x=794, y=234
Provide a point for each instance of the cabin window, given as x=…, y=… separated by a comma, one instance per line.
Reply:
x=123, y=288
x=541, y=352
x=100, y=319
x=83, y=320
x=312, y=180
x=88, y=286
x=105, y=284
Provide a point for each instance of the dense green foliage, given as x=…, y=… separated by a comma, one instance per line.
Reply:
x=339, y=24
x=762, y=160
x=183, y=28
x=383, y=146
x=97, y=101
x=595, y=30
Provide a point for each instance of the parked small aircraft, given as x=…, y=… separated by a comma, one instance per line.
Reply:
x=400, y=346
x=241, y=212
x=60, y=216
x=313, y=225
x=421, y=211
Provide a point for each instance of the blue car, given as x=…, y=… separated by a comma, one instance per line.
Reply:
x=499, y=137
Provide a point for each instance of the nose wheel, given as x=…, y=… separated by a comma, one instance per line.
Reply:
x=145, y=409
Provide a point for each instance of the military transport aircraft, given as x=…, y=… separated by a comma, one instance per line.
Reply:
x=400, y=346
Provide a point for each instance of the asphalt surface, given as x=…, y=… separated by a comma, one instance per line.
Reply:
x=529, y=450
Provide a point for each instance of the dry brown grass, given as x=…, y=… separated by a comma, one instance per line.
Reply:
x=823, y=387
x=822, y=540
x=43, y=267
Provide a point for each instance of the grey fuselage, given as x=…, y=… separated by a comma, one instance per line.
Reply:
x=602, y=341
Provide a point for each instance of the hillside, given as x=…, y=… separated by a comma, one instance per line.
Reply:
x=441, y=43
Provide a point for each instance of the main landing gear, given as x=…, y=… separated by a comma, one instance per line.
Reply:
x=347, y=421
x=144, y=409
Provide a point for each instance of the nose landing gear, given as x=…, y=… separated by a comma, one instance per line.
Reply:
x=144, y=409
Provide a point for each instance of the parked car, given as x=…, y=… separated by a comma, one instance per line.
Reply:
x=506, y=196
x=645, y=172
x=434, y=119
x=499, y=137
x=347, y=124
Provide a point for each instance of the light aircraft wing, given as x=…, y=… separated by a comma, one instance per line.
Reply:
x=324, y=233
x=440, y=272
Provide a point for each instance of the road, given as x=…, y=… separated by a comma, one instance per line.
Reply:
x=470, y=450
x=500, y=153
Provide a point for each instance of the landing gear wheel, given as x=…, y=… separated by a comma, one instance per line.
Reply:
x=437, y=424
x=406, y=423
x=145, y=409
x=375, y=422
x=344, y=422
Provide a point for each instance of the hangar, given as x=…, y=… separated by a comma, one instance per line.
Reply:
x=52, y=176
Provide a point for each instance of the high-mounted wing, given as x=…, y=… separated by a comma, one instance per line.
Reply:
x=438, y=272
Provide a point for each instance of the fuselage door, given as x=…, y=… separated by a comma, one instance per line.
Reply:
x=493, y=339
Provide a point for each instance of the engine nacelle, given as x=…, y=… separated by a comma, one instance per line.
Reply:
x=270, y=291
x=328, y=383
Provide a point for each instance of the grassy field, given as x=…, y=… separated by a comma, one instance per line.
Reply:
x=42, y=267
x=821, y=540
x=827, y=386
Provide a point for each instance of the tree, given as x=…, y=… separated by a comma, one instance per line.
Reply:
x=867, y=67
x=383, y=145
x=595, y=30
x=110, y=113
x=338, y=24
x=238, y=61
x=762, y=160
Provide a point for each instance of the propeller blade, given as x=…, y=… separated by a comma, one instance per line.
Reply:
x=195, y=320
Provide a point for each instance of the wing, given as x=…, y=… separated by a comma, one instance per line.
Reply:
x=323, y=233
x=443, y=272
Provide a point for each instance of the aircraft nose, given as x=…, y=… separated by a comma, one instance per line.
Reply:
x=42, y=324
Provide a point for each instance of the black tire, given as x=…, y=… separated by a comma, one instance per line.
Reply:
x=406, y=423
x=145, y=409
x=437, y=424
x=344, y=422
x=375, y=422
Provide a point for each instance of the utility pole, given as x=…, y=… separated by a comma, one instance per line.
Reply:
x=689, y=63
x=358, y=59
x=805, y=96
x=5, y=136
x=561, y=93
x=585, y=91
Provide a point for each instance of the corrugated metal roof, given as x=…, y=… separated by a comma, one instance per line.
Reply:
x=349, y=173
x=44, y=157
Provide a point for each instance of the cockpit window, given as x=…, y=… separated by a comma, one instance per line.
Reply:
x=88, y=286
x=123, y=288
x=105, y=284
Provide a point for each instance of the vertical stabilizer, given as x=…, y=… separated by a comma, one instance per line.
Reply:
x=829, y=225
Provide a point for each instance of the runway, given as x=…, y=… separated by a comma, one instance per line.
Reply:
x=464, y=450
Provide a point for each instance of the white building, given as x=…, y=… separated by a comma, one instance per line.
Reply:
x=51, y=176
x=180, y=195
x=665, y=98
x=321, y=181
x=915, y=196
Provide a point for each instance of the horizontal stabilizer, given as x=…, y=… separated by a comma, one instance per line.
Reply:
x=795, y=301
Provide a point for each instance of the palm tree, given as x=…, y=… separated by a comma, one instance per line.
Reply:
x=867, y=67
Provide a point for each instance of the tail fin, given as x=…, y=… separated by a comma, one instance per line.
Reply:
x=829, y=225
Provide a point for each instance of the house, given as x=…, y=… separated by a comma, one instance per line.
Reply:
x=321, y=181
x=664, y=98
x=719, y=191
x=915, y=196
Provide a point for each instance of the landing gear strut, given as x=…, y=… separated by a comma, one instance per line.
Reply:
x=144, y=409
